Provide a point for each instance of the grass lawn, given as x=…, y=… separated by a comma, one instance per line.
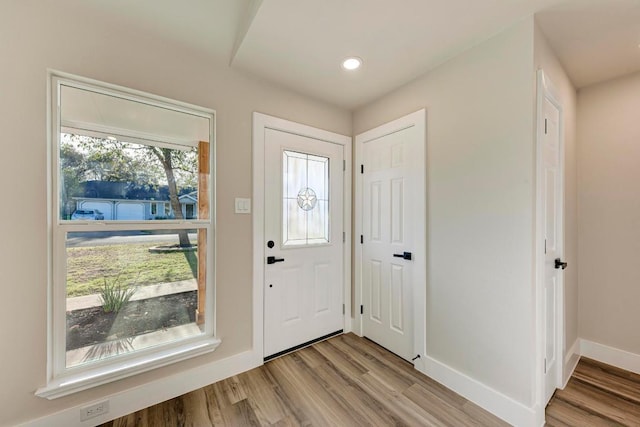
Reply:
x=87, y=267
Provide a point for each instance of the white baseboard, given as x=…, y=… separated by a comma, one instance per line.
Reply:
x=611, y=356
x=135, y=399
x=511, y=411
x=571, y=360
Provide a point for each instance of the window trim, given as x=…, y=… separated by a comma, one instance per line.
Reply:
x=62, y=381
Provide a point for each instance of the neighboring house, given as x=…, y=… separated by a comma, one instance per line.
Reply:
x=125, y=202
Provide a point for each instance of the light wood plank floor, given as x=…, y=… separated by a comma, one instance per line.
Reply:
x=344, y=381
x=597, y=395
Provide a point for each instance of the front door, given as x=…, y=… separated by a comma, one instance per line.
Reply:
x=304, y=247
x=552, y=199
x=393, y=262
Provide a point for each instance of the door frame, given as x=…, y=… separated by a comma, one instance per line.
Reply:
x=261, y=122
x=418, y=119
x=546, y=90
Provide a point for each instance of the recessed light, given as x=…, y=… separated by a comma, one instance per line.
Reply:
x=352, y=63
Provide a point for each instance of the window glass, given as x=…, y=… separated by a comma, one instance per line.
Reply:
x=305, y=204
x=128, y=291
x=101, y=172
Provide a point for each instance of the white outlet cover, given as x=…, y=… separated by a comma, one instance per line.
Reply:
x=95, y=410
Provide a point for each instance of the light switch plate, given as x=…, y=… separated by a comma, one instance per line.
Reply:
x=243, y=206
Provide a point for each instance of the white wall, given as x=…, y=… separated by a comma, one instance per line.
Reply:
x=36, y=35
x=545, y=59
x=609, y=206
x=480, y=172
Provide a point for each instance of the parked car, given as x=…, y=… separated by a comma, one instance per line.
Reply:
x=87, y=214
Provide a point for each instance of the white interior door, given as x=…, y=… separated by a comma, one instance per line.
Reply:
x=552, y=199
x=393, y=260
x=303, y=287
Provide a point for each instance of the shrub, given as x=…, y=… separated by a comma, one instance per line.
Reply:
x=114, y=295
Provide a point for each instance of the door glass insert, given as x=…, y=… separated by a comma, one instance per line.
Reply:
x=305, y=204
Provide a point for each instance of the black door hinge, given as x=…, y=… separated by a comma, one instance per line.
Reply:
x=362, y=309
x=361, y=168
x=545, y=126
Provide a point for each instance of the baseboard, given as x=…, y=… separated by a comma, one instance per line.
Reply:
x=571, y=360
x=135, y=399
x=611, y=356
x=511, y=411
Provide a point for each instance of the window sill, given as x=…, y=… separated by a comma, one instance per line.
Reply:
x=73, y=383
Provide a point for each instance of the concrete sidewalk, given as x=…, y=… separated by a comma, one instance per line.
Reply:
x=142, y=292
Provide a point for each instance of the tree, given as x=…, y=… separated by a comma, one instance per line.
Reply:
x=169, y=162
x=73, y=167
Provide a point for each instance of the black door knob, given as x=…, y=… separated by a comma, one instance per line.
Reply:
x=404, y=255
x=560, y=264
x=273, y=260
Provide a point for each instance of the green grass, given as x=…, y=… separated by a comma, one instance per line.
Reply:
x=87, y=267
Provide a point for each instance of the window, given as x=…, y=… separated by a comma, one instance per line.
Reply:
x=305, y=189
x=132, y=254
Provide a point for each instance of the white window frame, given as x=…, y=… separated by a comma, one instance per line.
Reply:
x=62, y=381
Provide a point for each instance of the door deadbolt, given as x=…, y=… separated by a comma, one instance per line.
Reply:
x=560, y=264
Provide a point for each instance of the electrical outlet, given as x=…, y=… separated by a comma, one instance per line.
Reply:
x=94, y=410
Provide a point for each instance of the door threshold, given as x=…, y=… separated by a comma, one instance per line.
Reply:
x=303, y=345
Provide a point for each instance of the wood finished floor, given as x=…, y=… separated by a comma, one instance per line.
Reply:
x=344, y=381
x=596, y=395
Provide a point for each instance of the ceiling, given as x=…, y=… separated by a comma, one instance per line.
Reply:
x=596, y=40
x=300, y=44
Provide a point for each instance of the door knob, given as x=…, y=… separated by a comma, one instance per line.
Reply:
x=273, y=260
x=560, y=264
x=404, y=255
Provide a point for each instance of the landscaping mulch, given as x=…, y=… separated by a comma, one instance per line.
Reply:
x=91, y=326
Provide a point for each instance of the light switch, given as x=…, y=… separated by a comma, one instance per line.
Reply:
x=243, y=206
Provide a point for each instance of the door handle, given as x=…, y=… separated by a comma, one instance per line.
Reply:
x=404, y=255
x=559, y=264
x=273, y=260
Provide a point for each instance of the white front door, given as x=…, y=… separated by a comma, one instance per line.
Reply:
x=303, y=229
x=552, y=199
x=393, y=260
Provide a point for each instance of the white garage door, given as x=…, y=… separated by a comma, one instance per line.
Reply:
x=129, y=211
x=104, y=207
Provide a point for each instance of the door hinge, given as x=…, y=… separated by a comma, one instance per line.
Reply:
x=545, y=126
x=361, y=239
x=344, y=237
x=342, y=308
x=362, y=309
x=361, y=168
x=545, y=246
x=545, y=365
x=344, y=165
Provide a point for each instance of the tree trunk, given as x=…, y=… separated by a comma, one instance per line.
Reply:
x=165, y=158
